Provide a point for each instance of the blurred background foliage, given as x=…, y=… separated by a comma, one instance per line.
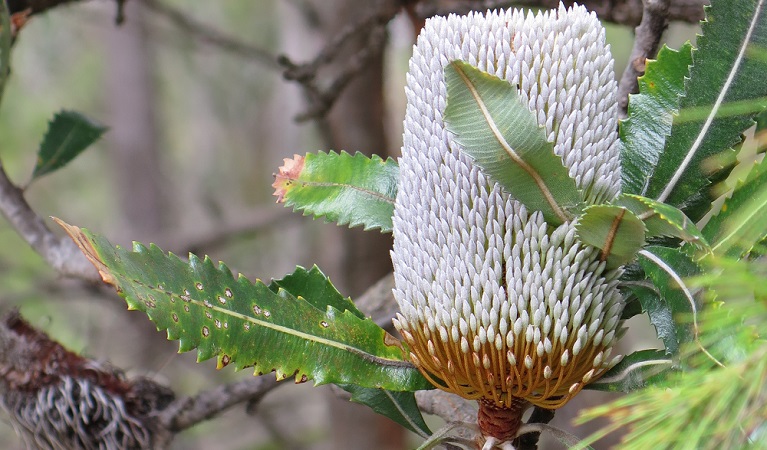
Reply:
x=189, y=168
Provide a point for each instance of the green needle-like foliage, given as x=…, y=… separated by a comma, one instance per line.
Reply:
x=742, y=221
x=708, y=407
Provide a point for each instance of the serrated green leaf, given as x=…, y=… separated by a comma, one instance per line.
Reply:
x=662, y=219
x=69, y=133
x=742, y=221
x=724, y=71
x=314, y=287
x=635, y=371
x=668, y=268
x=400, y=407
x=502, y=136
x=245, y=324
x=661, y=317
x=349, y=190
x=614, y=230
x=650, y=114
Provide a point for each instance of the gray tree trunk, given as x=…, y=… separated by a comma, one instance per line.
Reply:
x=133, y=148
x=356, y=123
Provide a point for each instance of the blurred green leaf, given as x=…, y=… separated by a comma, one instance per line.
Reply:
x=718, y=409
x=354, y=190
x=246, y=324
x=650, y=114
x=635, y=371
x=69, y=133
x=706, y=406
x=724, y=71
x=400, y=407
x=614, y=230
x=503, y=138
x=742, y=221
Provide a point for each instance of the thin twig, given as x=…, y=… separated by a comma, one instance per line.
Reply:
x=189, y=411
x=648, y=34
x=200, y=240
x=210, y=35
x=60, y=253
x=371, y=30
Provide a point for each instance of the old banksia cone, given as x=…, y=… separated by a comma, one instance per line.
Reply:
x=496, y=304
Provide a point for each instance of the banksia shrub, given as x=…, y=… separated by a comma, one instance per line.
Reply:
x=496, y=304
x=58, y=400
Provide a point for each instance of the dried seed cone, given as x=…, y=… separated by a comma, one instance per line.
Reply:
x=496, y=304
x=58, y=400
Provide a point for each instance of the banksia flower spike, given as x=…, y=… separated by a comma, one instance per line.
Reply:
x=496, y=304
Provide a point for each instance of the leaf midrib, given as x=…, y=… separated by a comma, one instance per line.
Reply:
x=715, y=107
x=369, y=192
x=510, y=151
x=286, y=330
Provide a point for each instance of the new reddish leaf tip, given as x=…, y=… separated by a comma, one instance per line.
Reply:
x=289, y=172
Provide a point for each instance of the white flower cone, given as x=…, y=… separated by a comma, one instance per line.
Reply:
x=496, y=304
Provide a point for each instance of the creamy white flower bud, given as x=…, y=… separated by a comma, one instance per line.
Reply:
x=512, y=290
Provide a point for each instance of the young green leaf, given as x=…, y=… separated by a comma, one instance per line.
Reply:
x=314, y=287
x=354, y=190
x=650, y=115
x=400, y=407
x=724, y=71
x=615, y=230
x=246, y=324
x=742, y=221
x=502, y=136
x=69, y=133
x=662, y=219
x=635, y=371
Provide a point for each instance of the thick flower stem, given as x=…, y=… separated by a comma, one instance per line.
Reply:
x=500, y=422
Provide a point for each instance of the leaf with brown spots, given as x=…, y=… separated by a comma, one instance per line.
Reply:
x=245, y=324
x=348, y=189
